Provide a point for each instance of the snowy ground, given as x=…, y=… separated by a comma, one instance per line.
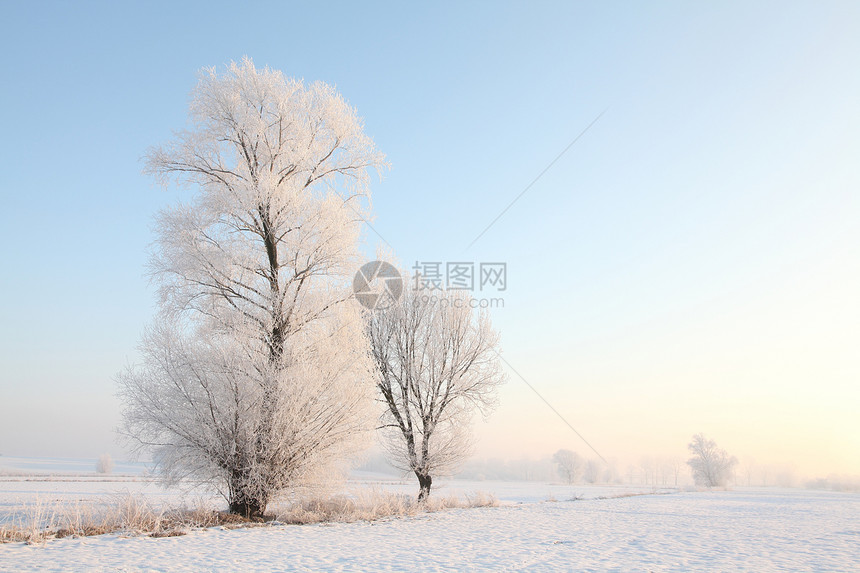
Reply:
x=745, y=529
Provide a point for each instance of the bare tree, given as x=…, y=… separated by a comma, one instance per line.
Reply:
x=436, y=363
x=676, y=465
x=711, y=466
x=104, y=465
x=570, y=465
x=592, y=473
x=611, y=473
x=646, y=465
x=748, y=470
x=256, y=374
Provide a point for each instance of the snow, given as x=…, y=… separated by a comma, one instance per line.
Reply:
x=28, y=482
x=23, y=466
x=745, y=529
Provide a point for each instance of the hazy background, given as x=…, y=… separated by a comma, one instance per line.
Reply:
x=691, y=264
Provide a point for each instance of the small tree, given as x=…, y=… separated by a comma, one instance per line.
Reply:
x=611, y=474
x=646, y=466
x=592, y=473
x=676, y=464
x=748, y=469
x=104, y=465
x=436, y=363
x=711, y=466
x=569, y=465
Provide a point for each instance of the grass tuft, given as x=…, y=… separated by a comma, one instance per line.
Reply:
x=134, y=515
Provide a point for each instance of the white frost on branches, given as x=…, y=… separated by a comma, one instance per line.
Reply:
x=437, y=362
x=570, y=465
x=711, y=466
x=257, y=373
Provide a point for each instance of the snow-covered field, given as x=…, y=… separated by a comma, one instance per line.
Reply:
x=744, y=529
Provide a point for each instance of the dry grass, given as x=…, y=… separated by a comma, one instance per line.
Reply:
x=127, y=514
x=373, y=505
x=134, y=515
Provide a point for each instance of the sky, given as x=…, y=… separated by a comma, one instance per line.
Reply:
x=689, y=264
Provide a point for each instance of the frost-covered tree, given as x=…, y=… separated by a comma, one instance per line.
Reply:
x=257, y=375
x=436, y=363
x=711, y=465
x=104, y=465
x=591, y=473
x=569, y=464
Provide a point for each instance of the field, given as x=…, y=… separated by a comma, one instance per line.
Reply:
x=537, y=527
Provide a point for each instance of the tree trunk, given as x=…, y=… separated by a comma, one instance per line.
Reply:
x=247, y=509
x=244, y=500
x=424, y=482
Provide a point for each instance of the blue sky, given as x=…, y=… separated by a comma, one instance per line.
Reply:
x=690, y=264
